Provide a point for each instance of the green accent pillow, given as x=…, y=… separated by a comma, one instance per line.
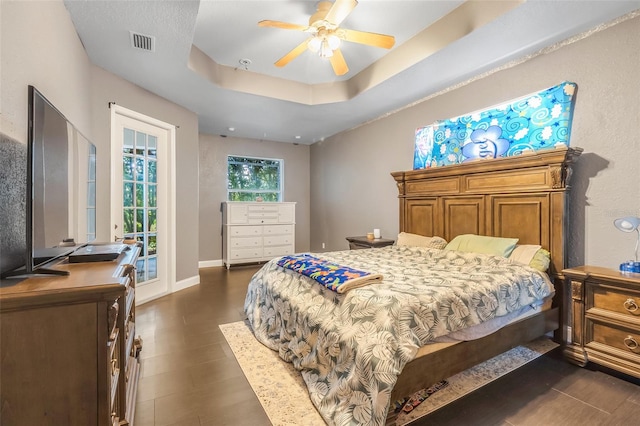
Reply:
x=472, y=243
x=541, y=260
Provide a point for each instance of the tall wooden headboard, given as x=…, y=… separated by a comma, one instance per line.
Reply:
x=521, y=197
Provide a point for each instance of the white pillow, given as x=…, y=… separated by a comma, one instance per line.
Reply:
x=415, y=240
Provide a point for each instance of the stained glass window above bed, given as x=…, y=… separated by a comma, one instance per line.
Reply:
x=254, y=179
x=531, y=123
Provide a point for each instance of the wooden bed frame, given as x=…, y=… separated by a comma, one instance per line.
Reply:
x=521, y=197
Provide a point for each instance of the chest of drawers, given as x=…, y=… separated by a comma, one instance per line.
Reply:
x=255, y=232
x=603, y=318
x=68, y=349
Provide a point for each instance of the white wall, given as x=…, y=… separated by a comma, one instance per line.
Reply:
x=353, y=192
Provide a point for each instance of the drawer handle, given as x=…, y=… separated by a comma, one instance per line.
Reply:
x=631, y=344
x=631, y=306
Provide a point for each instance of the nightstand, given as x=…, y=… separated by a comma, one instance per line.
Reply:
x=356, y=243
x=604, y=317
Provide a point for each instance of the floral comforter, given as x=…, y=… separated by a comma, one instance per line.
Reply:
x=351, y=347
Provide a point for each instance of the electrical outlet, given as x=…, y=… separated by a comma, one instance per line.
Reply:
x=323, y=245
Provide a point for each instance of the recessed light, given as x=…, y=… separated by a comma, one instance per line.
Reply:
x=231, y=129
x=298, y=137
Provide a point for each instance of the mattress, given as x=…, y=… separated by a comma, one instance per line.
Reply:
x=484, y=329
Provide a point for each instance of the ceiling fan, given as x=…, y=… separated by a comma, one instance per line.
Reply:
x=324, y=25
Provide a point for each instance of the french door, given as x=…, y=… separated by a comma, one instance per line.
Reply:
x=142, y=196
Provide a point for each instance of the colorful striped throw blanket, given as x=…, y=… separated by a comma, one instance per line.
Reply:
x=335, y=277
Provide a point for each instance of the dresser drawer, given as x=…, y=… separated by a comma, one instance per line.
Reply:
x=245, y=253
x=245, y=242
x=612, y=299
x=258, y=218
x=278, y=251
x=262, y=208
x=278, y=240
x=245, y=231
x=278, y=230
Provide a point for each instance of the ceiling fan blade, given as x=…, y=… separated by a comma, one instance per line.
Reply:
x=283, y=25
x=371, y=39
x=339, y=11
x=338, y=63
x=294, y=53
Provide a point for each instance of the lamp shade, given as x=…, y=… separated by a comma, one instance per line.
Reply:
x=627, y=224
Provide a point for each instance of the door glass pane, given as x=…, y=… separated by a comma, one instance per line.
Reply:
x=139, y=169
x=128, y=221
x=127, y=141
x=140, y=195
x=152, y=176
x=140, y=270
x=152, y=148
x=127, y=168
x=141, y=141
x=152, y=195
x=152, y=267
x=139, y=220
x=152, y=243
x=127, y=194
x=151, y=223
x=140, y=198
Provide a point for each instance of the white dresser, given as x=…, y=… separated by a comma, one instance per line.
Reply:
x=255, y=232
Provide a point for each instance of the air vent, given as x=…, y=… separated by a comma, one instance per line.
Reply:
x=144, y=42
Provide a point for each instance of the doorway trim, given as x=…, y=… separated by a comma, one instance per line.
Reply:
x=144, y=294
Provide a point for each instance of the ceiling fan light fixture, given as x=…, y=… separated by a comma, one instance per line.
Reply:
x=325, y=50
x=333, y=41
x=314, y=44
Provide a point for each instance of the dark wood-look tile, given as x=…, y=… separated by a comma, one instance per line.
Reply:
x=597, y=389
x=191, y=377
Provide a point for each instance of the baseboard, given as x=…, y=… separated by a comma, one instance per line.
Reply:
x=209, y=263
x=186, y=283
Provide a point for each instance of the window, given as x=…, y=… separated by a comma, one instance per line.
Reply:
x=251, y=179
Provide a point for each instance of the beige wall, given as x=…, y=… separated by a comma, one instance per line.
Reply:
x=106, y=88
x=352, y=191
x=213, y=186
x=53, y=60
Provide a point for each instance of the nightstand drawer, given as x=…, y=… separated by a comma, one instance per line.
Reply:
x=613, y=338
x=613, y=299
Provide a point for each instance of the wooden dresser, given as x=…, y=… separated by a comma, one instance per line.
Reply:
x=68, y=351
x=604, y=317
x=256, y=232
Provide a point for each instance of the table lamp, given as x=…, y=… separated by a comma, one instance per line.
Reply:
x=630, y=224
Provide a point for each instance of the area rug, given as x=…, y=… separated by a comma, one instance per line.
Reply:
x=284, y=397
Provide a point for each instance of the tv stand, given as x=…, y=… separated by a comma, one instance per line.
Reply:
x=69, y=353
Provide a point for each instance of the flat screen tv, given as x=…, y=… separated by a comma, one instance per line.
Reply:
x=61, y=188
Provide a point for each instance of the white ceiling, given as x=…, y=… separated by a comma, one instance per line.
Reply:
x=198, y=46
